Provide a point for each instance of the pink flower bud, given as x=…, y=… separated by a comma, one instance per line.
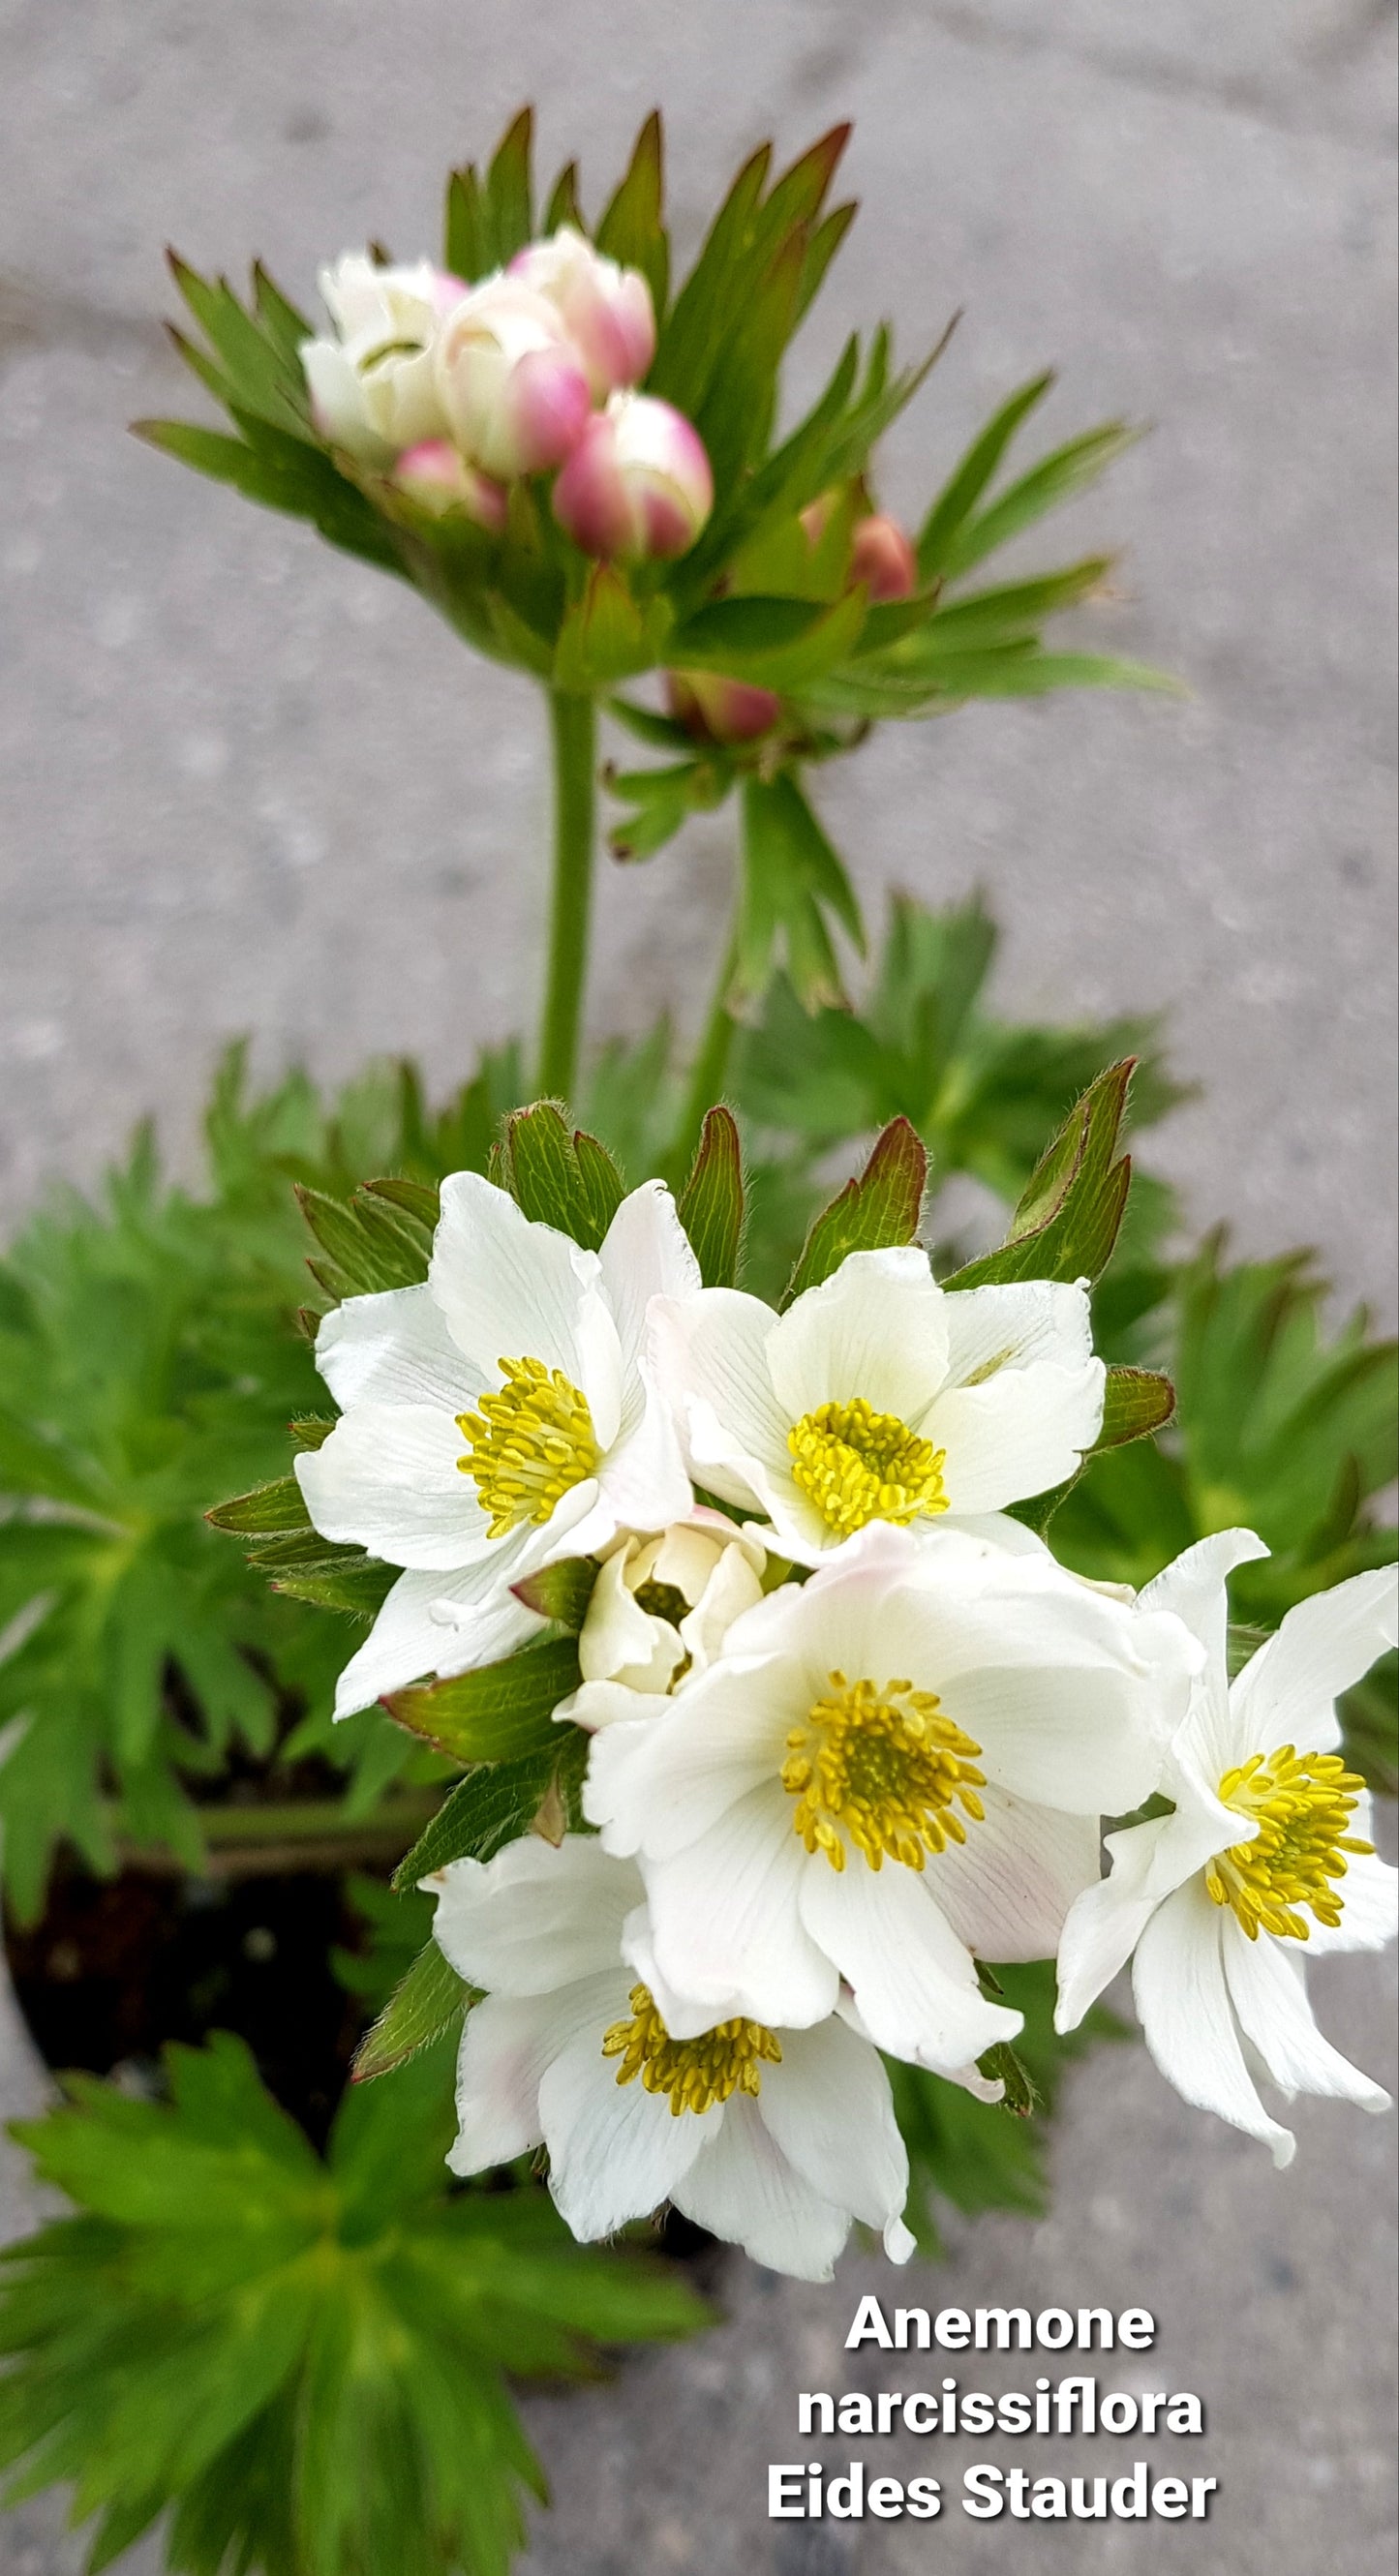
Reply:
x=512, y=386
x=605, y=310
x=436, y=477
x=883, y=559
x=638, y=482
x=714, y=709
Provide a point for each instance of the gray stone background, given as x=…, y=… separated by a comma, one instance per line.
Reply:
x=248, y=785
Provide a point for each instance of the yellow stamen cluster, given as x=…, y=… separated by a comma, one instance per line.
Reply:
x=857, y=1465
x=1302, y=1803
x=695, y=2073
x=883, y=1769
x=529, y=1445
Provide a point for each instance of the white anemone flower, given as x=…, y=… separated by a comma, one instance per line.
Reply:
x=494, y=1420
x=892, y=1769
x=1266, y=1860
x=773, y=2139
x=660, y=1610
x=880, y=1396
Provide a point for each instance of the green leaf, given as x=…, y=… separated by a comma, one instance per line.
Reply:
x=1136, y=1403
x=1056, y=479
x=879, y=1209
x=467, y=249
x=777, y=643
x=961, y=493
x=304, y=2364
x=1067, y=1221
x=662, y=800
x=427, y=2002
x=268, y=1510
x=793, y=881
x=711, y=1203
x=607, y=634
x=563, y=206
x=497, y=1714
x=560, y=1178
x=560, y=1592
x=370, y=1247
x=632, y=229
x=507, y=195
x=492, y=1806
x=294, y=478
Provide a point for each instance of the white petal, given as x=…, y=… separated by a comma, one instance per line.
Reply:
x=619, y=1639
x=508, y=2045
x=829, y=2107
x=658, y=1785
x=1270, y=1998
x=875, y=1329
x=1012, y=1327
x=646, y=1253
x=598, y=1704
x=1194, y=1587
x=726, y=1927
x=394, y=1349
x=743, y=2190
x=733, y=1588
x=435, y=1624
x=537, y=1917
x=643, y=1479
x=1287, y=1693
x=513, y=1289
x=1021, y=1432
x=1008, y=1888
x=1077, y=1737
x=615, y=2150
x=388, y=1479
x=712, y=1351
x=913, y=1982
x=1149, y=1862
x=1187, y=2018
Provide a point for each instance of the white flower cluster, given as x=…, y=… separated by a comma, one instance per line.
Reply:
x=458, y=390
x=843, y=1748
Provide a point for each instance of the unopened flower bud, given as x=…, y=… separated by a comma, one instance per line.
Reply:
x=638, y=482
x=439, y=479
x=605, y=310
x=513, y=388
x=718, y=710
x=883, y=559
x=373, y=390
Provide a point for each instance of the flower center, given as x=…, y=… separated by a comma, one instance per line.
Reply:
x=529, y=1445
x=696, y=2073
x=857, y=1465
x=883, y=1767
x=662, y=1601
x=1302, y=1803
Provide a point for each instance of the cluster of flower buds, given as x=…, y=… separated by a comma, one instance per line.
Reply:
x=456, y=391
x=878, y=557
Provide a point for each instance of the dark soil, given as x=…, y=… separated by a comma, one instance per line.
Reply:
x=117, y=1967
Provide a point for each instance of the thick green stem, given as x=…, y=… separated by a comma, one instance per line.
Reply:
x=573, y=729
x=711, y=1063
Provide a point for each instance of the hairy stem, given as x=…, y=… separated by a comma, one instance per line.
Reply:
x=573, y=730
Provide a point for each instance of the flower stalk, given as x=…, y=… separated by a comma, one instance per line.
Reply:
x=573, y=733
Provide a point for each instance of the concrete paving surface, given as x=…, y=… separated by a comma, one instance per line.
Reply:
x=249, y=785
